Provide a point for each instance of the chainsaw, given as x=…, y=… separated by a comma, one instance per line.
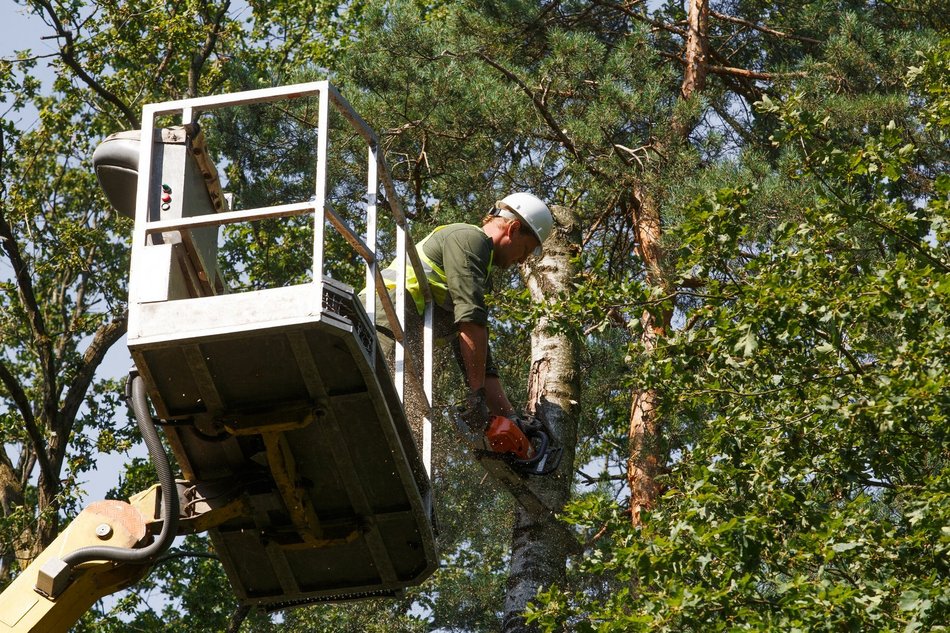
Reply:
x=524, y=443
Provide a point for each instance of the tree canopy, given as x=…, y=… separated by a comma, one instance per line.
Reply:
x=739, y=331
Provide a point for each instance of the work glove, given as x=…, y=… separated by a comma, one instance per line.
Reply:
x=475, y=414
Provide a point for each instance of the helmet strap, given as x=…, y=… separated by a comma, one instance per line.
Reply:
x=502, y=210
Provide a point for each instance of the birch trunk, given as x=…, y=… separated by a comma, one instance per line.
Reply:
x=538, y=553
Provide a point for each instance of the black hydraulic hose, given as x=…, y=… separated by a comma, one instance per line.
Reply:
x=135, y=396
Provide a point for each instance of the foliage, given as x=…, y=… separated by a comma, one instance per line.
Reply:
x=811, y=490
x=803, y=398
x=61, y=306
x=64, y=250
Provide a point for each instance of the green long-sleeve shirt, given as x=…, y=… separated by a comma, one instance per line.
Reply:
x=464, y=253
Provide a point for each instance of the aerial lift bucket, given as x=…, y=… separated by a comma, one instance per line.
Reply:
x=277, y=398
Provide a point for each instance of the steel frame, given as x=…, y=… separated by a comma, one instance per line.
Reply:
x=377, y=173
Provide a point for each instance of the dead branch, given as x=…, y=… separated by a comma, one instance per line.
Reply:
x=739, y=72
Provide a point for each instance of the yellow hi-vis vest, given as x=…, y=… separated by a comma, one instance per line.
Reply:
x=434, y=274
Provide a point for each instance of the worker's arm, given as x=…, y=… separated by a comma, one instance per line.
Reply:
x=497, y=398
x=473, y=344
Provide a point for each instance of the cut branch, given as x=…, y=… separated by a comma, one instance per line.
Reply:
x=753, y=74
x=739, y=72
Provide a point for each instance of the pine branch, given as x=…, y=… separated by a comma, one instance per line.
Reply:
x=559, y=134
x=763, y=29
x=642, y=17
x=538, y=104
x=736, y=126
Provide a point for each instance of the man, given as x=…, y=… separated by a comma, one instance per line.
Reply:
x=458, y=259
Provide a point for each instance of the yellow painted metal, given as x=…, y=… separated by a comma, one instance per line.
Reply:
x=303, y=516
x=110, y=523
x=148, y=503
x=316, y=543
x=283, y=468
x=288, y=418
x=196, y=517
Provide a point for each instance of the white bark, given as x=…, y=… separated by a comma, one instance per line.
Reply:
x=539, y=553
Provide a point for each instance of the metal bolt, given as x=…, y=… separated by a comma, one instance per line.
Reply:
x=104, y=531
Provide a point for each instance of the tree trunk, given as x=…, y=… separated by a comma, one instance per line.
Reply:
x=11, y=497
x=538, y=553
x=47, y=524
x=697, y=49
x=646, y=454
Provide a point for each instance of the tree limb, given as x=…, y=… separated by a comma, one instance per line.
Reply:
x=238, y=616
x=27, y=461
x=641, y=17
x=67, y=53
x=104, y=338
x=198, y=61
x=29, y=421
x=542, y=110
x=763, y=29
x=739, y=72
x=753, y=74
x=731, y=121
x=34, y=315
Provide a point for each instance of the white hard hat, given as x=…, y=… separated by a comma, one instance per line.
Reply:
x=530, y=210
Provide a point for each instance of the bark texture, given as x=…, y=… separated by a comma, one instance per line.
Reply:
x=539, y=553
x=646, y=452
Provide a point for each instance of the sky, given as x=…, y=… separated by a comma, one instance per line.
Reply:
x=18, y=31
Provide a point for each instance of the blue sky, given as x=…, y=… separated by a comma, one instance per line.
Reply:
x=19, y=31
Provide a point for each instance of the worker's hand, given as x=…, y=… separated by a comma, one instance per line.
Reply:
x=476, y=414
